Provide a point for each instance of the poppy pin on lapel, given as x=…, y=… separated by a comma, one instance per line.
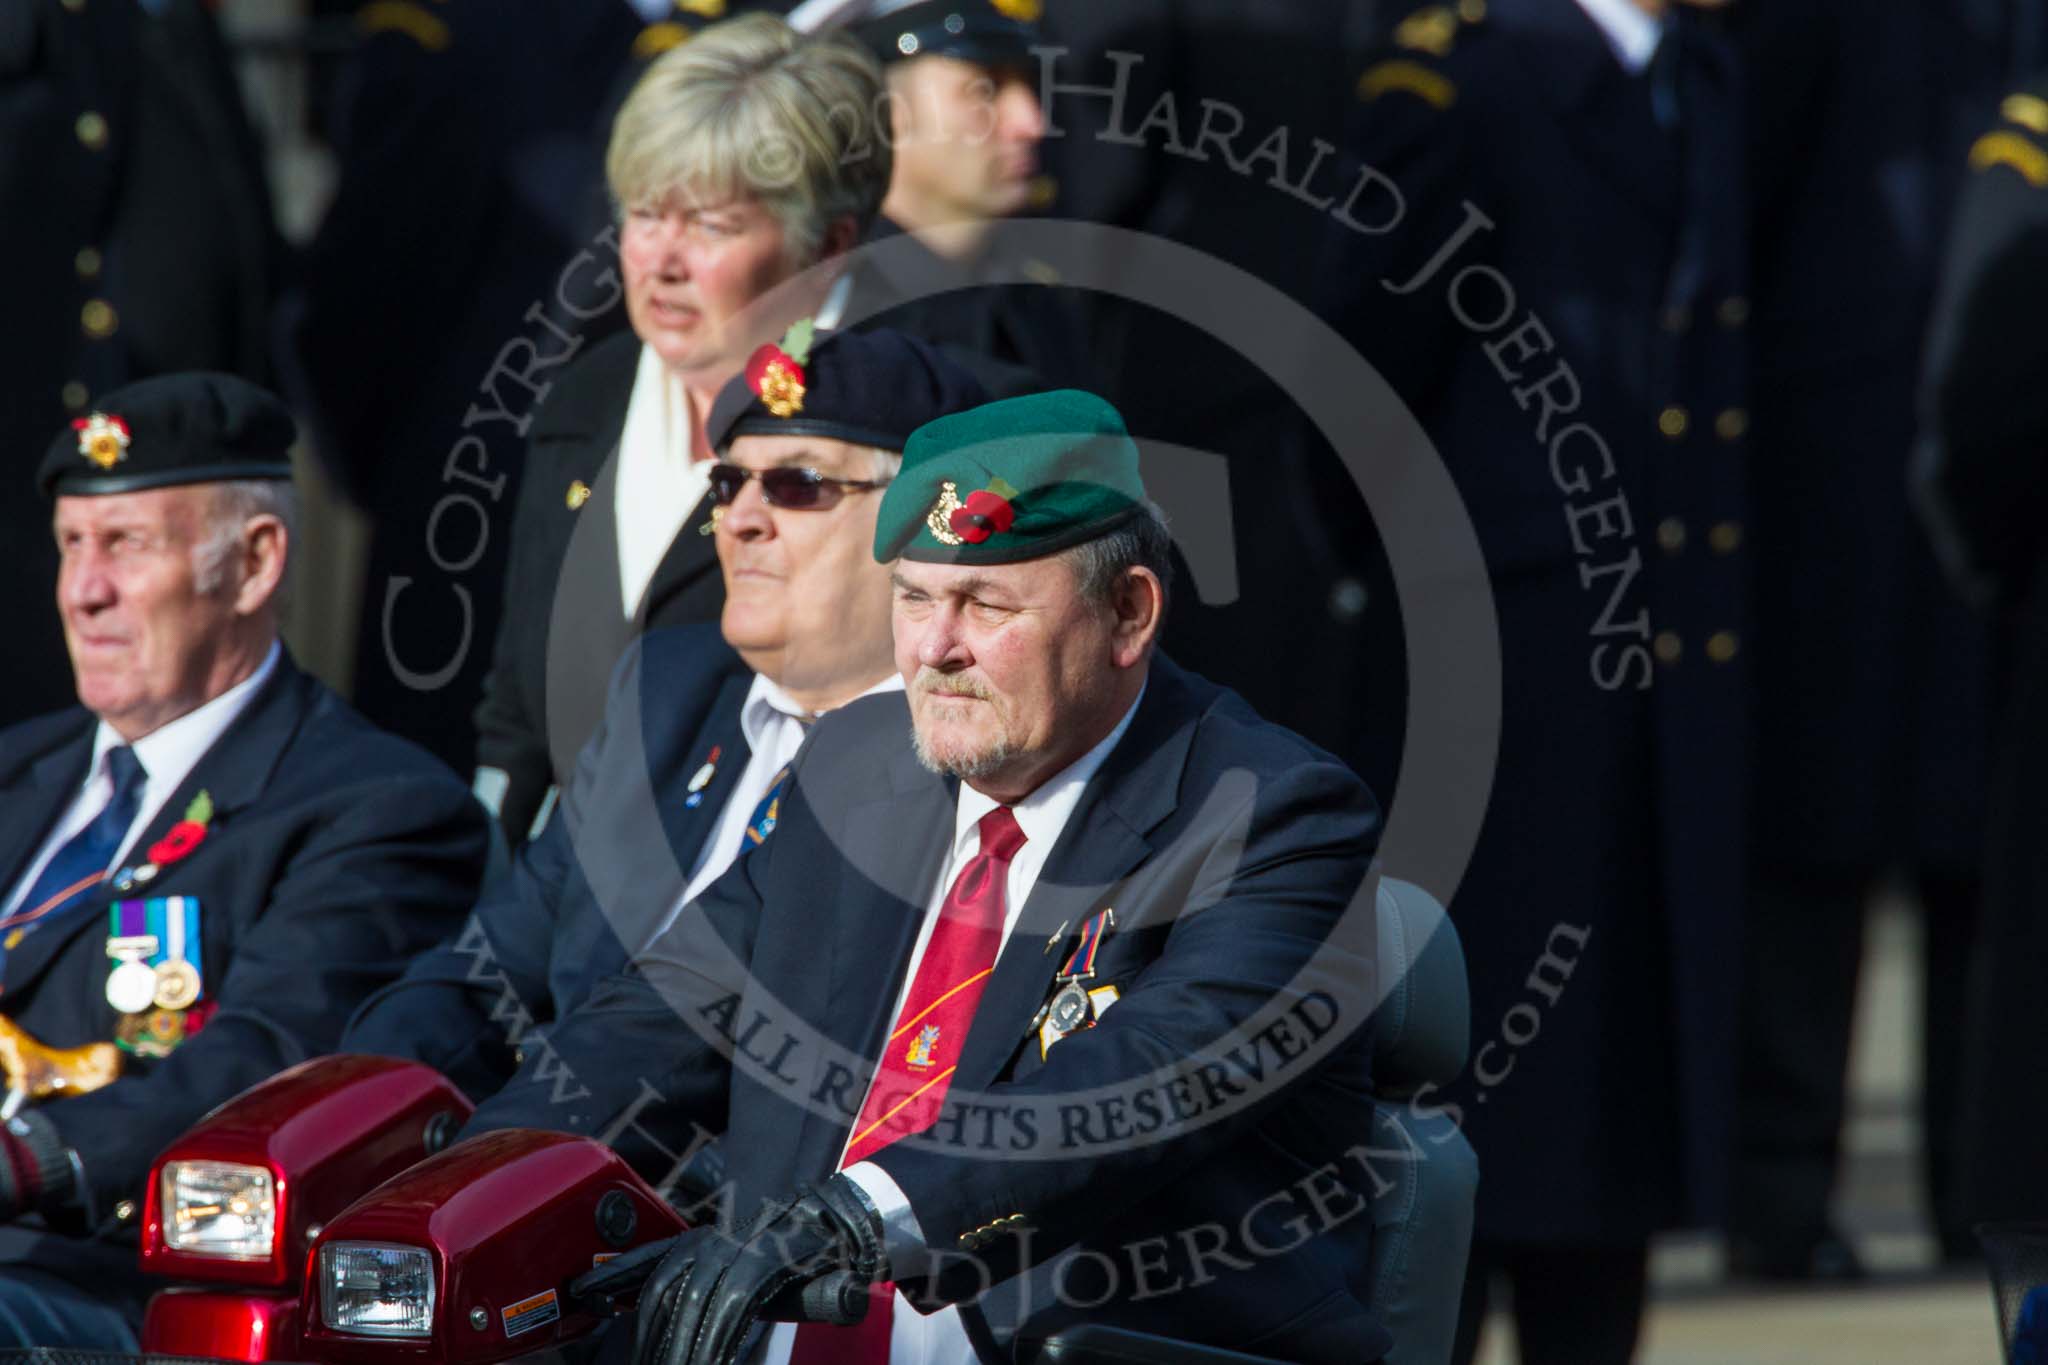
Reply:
x=702, y=779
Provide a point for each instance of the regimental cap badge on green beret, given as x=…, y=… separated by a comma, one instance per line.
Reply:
x=174, y=429
x=1010, y=481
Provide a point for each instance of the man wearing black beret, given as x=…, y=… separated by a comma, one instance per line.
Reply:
x=204, y=867
x=701, y=722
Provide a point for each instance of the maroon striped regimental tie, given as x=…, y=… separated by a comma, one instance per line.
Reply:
x=922, y=1053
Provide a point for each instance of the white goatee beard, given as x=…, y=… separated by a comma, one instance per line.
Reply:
x=1000, y=751
x=992, y=758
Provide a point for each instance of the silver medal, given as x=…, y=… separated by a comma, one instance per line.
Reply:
x=131, y=987
x=1069, y=1008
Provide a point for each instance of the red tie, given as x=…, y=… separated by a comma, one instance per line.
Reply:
x=922, y=1053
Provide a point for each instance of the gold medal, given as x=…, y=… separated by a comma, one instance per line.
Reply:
x=154, y=1034
x=177, y=985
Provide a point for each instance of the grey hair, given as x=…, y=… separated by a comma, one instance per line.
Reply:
x=234, y=503
x=751, y=108
x=885, y=464
x=1144, y=542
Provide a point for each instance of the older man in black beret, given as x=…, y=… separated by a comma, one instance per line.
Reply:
x=701, y=722
x=204, y=867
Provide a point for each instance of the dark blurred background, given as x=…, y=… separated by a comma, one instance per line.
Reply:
x=1790, y=258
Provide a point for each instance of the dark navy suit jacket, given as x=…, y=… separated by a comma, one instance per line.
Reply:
x=554, y=656
x=569, y=910
x=1157, y=1166
x=335, y=852
x=1617, y=564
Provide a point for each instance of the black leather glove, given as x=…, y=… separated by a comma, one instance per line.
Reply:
x=810, y=1259
x=35, y=1171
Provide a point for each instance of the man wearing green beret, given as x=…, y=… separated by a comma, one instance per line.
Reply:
x=1050, y=1005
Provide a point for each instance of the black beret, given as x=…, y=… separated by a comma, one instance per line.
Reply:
x=174, y=429
x=991, y=32
x=871, y=387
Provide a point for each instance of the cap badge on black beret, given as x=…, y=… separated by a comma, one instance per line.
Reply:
x=1023, y=11
x=776, y=373
x=102, y=438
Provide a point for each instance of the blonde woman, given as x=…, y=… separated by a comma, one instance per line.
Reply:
x=739, y=161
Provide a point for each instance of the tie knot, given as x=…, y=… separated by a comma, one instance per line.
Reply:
x=124, y=769
x=1001, y=835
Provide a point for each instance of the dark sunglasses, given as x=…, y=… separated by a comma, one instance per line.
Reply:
x=798, y=489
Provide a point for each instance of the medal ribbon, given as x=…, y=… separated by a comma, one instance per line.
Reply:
x=173, y=921
x=181, y=941
x=174, y=929
x=131, y=919
x=1082, y=962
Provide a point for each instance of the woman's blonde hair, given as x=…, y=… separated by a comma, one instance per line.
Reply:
x=751, y=108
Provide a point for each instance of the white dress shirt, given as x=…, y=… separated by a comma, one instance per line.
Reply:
x=833, y=308
x=167, y=755
x=941, y=1338
x=775, y=726
x=657, y=481
x=1632, y=33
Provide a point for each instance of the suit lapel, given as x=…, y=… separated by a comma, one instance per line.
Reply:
x=689, y=826
x=587, y=621
x=689, y=557
x=233, y=773
x=874, y=928
x=1105, y=840
x=39, y=798
x=36, y=798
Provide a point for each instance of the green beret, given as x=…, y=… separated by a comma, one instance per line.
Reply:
x=1009, y=481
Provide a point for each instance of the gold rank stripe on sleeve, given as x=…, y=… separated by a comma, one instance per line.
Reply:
x=656, y=39
x=1413, y=78
x=2028, y=111
x=2003, y=148
x=402, y=16
x=1433, y=30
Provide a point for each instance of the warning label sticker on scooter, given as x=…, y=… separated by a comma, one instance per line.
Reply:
x=527, y=1314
